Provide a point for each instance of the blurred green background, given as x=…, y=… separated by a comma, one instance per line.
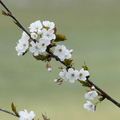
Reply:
x=92, y=28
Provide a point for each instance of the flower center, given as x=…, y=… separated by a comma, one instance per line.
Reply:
x=43, y=44
x=60, y=50
x=72, y=74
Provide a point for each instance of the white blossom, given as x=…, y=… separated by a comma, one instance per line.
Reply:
x=72, y=75
x=62, y=74
x=62, y=52
x=48, y=24
x=34, y=35
x=91, y=95
x=39, y=47
x=25, y=115
x=35, y=26
x=22, y=44
x=89, y=106
x=83, y=74
x=49, y=34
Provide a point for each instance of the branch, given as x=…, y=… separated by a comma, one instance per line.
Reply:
x=9, y=13
x=103, y=94
x=8, y=112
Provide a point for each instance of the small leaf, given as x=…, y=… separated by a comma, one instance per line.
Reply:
x=85, y=67
x=101, y=98
x=84, y=83
x=4, y=13
x=14, y=109
x=43, y=57
x=60, y=37
x=45, y=117
x=68, y=62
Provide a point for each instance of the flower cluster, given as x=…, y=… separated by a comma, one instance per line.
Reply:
x=90, y=96
x=72, y=75
x=42, y=42
x=42, y=35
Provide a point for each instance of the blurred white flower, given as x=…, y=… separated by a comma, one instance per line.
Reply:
x=62, y=52
x=48, y=24
x=63, y=73
x=34, y=35
x=72, y=75
x=22, y=44
x=83, y=74
x=91, y=95
x=49, y=69
x=89, y=106
x=25, y=115
x=35, y=26
x=49, y=34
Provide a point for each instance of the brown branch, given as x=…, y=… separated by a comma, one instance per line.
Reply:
x=9, y=13
x=104, y=94
x=8, y=112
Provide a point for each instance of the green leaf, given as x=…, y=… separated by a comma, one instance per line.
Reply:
x=14, y=109
x=84, y=83
x=4, y=13
x=43, y=57
x=60, y=37
x=68, y=62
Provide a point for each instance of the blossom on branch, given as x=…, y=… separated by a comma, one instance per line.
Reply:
x=39, y=47
x=72, y=75
x=23, y=44
x=89, y=106
x=35, y=26
x=91, y=95
x=49, y=34
x=48, y=24
x=83, y=74
x=62, y=74
x=62, y=52
x=25, y=115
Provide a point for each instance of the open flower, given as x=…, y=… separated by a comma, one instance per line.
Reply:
x=62, y=52
x=62, y=74
x=39, y=47
x=91, y=95
x=48, y=24
x=22, y=44
x=83, y=74
x=35, y=26
x=49, y=34
x=89, y=106
x=25, y=115
x=72, y=75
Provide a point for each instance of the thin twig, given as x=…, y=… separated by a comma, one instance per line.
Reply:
x=104, y=94
x=8, y=112
x=15, y=20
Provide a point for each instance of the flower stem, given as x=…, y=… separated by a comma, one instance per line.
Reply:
x=8, y=112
